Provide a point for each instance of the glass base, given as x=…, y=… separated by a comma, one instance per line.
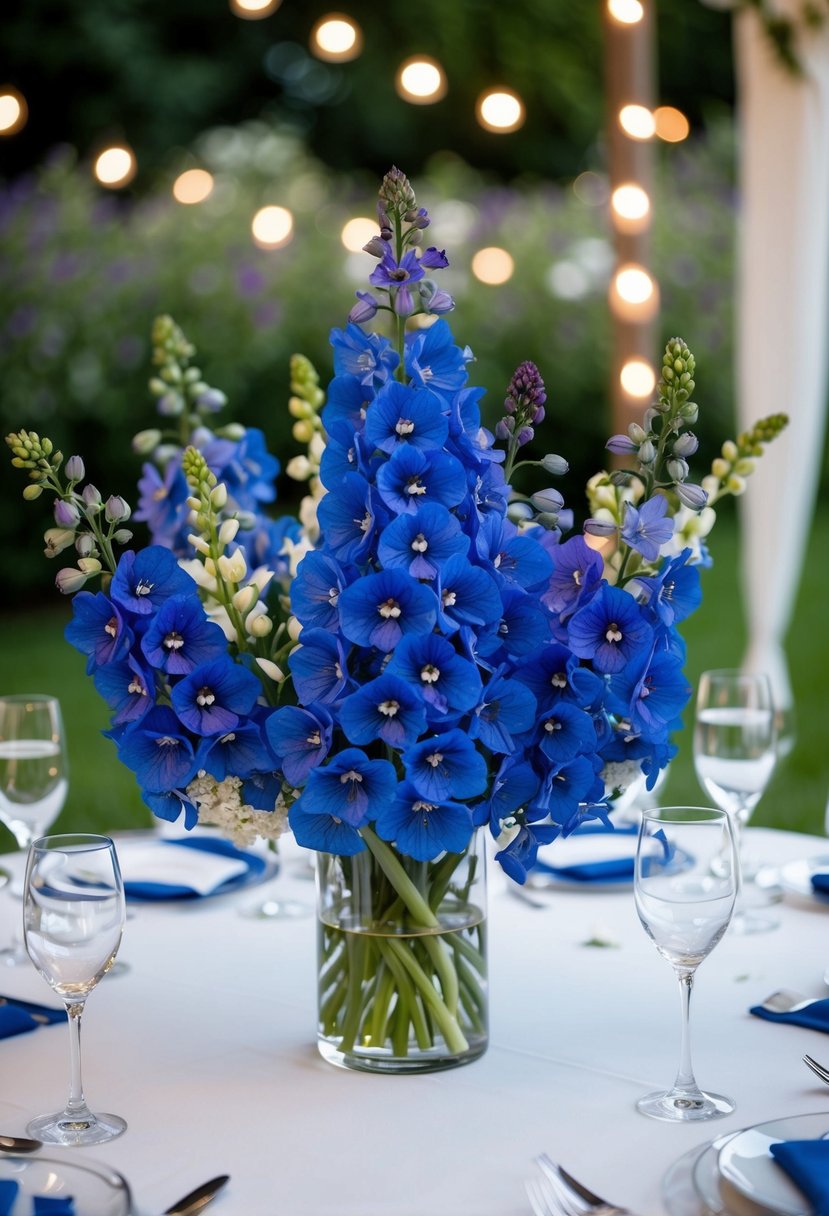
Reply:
x=379, y=1060
x=680, y=1106
x=81, y=1128
x=276, y=909
x=751, y=920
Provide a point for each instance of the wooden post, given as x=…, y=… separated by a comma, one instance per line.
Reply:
x=629, y=70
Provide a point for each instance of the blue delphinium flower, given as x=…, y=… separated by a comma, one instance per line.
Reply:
x=370, y=358
x=215, y=696
x=301, y=738
x=378, y=609
x=445, y=766
x=413, y=476
x=611, y=630
x=318, y=667
x=434, y=361
x=315, y=591
x=387, y=708
x=159, y=751
x=443, y=679
x=162, y=504
x=577, y=572
x=467, y=595
x=98, y=630
x=675, y=592
x=423, y=829
x=399, y=414
x=144, y=580
x=349, y=518
x=128, y=687
x=649, y=527
x=506, y=708
x=522, y=629
x=180, y=636
x=423, y=542
x=565, y=732
x=339, y=798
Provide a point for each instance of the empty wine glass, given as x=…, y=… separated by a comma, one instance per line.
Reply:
x=34, y=776
x=73, y=918
x=685, y=908
x=734, y=755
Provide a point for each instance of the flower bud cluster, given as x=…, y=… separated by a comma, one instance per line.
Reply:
x=737, y=457
x=82, y=518
x=524, y=405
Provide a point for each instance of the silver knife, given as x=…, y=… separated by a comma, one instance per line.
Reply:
x=197, y=1199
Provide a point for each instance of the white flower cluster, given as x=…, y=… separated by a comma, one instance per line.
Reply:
x=220, y=806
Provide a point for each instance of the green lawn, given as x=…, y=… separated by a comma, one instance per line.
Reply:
x=103, y=795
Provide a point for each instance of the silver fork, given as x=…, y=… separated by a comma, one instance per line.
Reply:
x=817, y=1069
x=564, y=1196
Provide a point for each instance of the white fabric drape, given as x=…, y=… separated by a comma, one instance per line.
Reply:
x=782, y=335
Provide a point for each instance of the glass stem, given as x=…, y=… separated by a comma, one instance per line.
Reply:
x=685, y=1076
x=76, y=1106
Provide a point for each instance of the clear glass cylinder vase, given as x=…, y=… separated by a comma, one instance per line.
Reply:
x=402, y=959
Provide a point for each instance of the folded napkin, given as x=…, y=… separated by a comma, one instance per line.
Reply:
x=53, y=1205
x=807, y=1164
x=8, y=1194
x=597, y=869
x=18, y=1017
x=820, y=883
x=185, y=869
x=814, y=1016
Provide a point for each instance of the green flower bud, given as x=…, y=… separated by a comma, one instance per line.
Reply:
x=145, y=442
x=647, y=452
x=85, y=545
x=122, y=537
x=56, y=540
x=89, y=565
x=30, y=493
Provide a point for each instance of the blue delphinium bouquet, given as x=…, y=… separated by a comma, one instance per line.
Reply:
x=422, y=654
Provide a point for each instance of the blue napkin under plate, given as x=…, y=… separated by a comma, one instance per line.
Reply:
x=8, y=1194
x=814, y=1016
x=609, y=869
x=807, y=1164
x=53, y=1205
x=255, y=868
x=820, y=883
x=19, y=1017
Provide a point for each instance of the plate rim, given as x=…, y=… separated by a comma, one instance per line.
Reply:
x=758, y=1127
x=804, y=890
x=86, y=1165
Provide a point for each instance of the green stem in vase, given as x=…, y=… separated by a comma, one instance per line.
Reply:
x=445, y=1020
x=397, y=876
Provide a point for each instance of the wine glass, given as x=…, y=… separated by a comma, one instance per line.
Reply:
x=34, y=776
x=73, y=918
x=734, y=755
x=685, y=907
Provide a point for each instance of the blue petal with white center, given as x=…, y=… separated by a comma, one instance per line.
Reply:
x=423, y=542
x=144, y=580
x=98, y=630
x=180, y=636
x=431, y=664
x=422, y=829
x=159, y=751
x=378, y=609
x=301, y=738
x=386, y=708
x=238, y=753
x=399, y=414
x=213, y=698
x=445, y=766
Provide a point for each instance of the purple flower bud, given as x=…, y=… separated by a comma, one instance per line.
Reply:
x=686, y=445
x=525, y=393
x=170, y=404
x=74, y=469
x=647, y=452
x=678, y=469
x=525, y=435
x=67, y=514
x=621, y=444
x=212, y=400
x=91, y=496
x=117, y=511
x=548, y=500
x=364, y=309
x=601, y=527
x=434, y=259
x=538, y=416
x=403, y=302
x=505, y=428
x=376, y=247
x=69, y=580
x=691, y=496
x=556, y=465
x=439, y=302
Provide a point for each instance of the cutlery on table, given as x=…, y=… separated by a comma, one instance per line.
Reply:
x=817, y=1069
x=787, y=1001
x=556, y=1193
x=197, y=1199
x=19, y=1144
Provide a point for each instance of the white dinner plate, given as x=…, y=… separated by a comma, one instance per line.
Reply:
x=746, y=1163
x=96, y=1189
x=691, y=1185
x=796, y=878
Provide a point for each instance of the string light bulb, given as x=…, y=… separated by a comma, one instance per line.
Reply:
x=493, y=265
x=193, y=186
x=631, y=207
x=637, y=121
x=272, y=227
x=626, y=12
x=115, y=167
x=634, y=295
x=421, y=80
x=637, y=378
x=500, y=111
x=336, y=38
x=254, y=10
x=13, y=110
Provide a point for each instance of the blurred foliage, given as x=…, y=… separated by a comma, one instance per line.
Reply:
x=157, y=74
x=87, y=273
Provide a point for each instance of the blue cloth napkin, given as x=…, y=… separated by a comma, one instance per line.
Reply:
x=820, y=883
x=814, y=1016
x=807, y=1164
x=53, y=1205
x=609, y=869
x=8, y=1194
x=256, y=866
x=16, y=1017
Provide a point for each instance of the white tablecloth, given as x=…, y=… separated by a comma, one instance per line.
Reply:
x=207, y=1047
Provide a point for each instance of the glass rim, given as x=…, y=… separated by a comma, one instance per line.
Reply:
x=733, y=673
x=20, y=698
x=67, y=840
x=690, y=814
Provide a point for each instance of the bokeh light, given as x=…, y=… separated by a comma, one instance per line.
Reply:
x=500, y=110
x=637, y=121
x=421, y=80
x=493, y=265
x=634, y=295
x=637, y=378
x=272, y=227
x=671, y=124
x=337, y=38
x=115, y=167
x=631, y=207
x=591, y=188
x=358, y=232
x=254, y=10
x=13, y=110
x=193, y=186
x=626, y=12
